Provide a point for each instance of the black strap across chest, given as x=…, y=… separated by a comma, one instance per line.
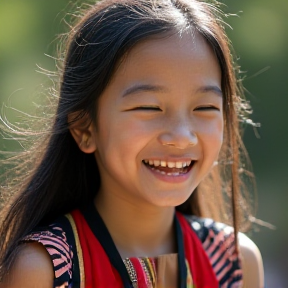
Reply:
x=101, y=232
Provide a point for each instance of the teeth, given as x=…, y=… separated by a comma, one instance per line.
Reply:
x=156, y=163
x=164, y=173
x=171, y=164
x=178, y=164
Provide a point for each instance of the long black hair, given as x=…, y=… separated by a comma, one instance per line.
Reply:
x=57, y=177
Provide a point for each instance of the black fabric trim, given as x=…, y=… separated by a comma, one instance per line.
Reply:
x=181, y=255
x=101, y=232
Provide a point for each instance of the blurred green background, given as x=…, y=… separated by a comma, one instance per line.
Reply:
x=260, y=38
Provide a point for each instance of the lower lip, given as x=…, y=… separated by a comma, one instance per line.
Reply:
x=171, y=178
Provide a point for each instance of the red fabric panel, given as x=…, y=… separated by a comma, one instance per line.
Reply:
x=99, y=273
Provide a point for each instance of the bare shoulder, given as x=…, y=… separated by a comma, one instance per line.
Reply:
x=253, y=272
x=33, y=268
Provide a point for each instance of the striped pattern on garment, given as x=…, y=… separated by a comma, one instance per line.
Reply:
x=54, y=240
x=217, y=240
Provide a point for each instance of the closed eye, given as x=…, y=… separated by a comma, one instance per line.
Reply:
x=147, y=108
x=206, y=108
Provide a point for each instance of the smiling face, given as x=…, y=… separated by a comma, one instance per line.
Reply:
x=160, y=121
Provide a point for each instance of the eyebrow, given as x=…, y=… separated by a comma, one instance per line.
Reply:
x=143, y=88
x=154, y=88
x=211, y=88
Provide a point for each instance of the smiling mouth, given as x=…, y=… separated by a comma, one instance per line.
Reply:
x=169, y=169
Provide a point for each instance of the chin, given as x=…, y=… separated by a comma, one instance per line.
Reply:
x=171, y=200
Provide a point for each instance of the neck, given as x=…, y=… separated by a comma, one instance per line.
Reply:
x=137, y=231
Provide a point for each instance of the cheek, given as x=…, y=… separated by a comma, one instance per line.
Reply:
x=211, y=136
x=122, y=137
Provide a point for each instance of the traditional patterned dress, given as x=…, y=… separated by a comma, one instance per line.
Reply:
x=83, y=255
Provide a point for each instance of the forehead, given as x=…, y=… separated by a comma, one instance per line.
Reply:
x=189, y=44
x=178, y=63
x=189, y=51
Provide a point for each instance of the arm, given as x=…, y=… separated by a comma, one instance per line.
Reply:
x=32, y=268
x=253, y=272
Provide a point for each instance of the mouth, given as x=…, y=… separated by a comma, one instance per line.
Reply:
x=169, y=168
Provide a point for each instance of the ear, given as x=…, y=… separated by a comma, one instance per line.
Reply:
x=83, y=132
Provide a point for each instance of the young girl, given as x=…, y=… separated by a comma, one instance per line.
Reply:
x=143, y=153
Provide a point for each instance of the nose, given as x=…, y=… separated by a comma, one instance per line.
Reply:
x=178, y=134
